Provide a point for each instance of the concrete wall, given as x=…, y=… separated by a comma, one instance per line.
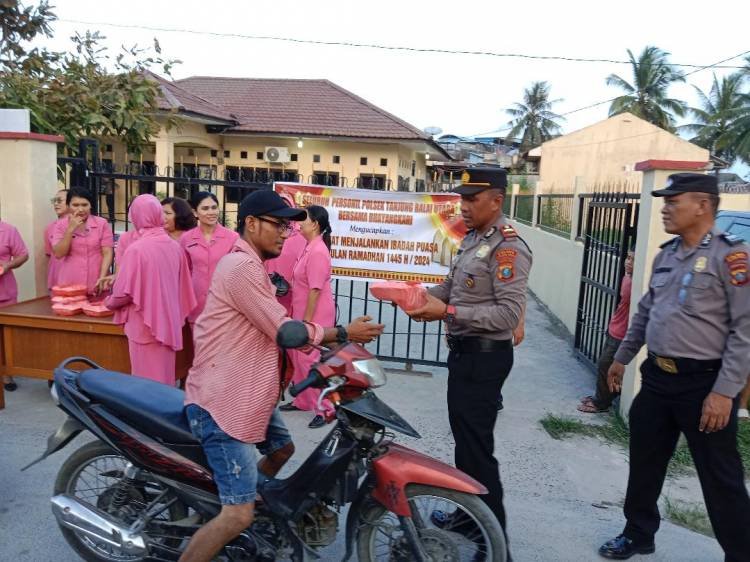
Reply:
x=29, y=180
x=606, y=152
x=556, y=272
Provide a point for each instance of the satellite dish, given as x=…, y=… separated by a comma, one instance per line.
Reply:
x=433, y=130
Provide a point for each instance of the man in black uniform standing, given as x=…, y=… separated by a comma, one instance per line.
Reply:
x=695, y=322
x=481, y=301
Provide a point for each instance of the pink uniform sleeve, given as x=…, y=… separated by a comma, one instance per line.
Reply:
x=318, y=269
x=107, y=238
x=48, y=239
x=58, y=233
x=16, y=244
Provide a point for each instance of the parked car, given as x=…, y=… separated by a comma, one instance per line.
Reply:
x=734, y=222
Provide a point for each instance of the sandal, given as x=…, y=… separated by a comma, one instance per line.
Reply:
x=590, y=408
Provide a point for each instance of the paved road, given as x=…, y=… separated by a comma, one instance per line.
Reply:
x=556, y=490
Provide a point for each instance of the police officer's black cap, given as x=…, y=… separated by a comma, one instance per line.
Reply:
x=474, y=180
x=688, y=183
x=265, y=202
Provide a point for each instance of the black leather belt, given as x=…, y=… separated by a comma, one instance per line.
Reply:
x=477, y=344
x=683, y=365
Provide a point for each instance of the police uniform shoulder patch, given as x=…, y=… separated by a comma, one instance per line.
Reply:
x=668, y=242
x=737, y=265
x=505, y=258
x=508, y=232
x=731, y=239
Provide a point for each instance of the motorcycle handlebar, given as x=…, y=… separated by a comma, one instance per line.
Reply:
x=312, y=378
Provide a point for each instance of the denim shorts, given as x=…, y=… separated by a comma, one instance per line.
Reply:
x=234, y=462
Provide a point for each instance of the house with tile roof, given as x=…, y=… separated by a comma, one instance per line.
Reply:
x=311, y=131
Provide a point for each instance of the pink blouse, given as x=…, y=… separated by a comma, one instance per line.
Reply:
x=11, y=246
x=203, y=257
x=83, y=263
x=53, y=264
x=313, y=271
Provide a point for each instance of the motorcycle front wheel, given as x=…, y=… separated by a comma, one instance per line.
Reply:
x=452, y=526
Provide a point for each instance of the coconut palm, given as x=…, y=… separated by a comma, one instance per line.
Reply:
x=716, y=118
x=646, y=97
x=533, y=120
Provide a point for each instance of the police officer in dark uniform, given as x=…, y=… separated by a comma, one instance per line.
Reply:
x=481, y=301
x=695, y=322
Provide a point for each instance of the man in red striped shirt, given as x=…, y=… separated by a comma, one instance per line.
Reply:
x=233, y=387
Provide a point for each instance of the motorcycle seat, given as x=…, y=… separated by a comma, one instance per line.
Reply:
x=151, y=407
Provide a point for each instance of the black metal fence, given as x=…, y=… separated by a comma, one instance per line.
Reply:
x=555, y=213
x=523, y=210
x=610, y=230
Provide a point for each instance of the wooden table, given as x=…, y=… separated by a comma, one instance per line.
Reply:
x=34, y=340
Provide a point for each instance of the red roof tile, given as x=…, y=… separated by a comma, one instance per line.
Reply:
x=298, y=107
x=174, y=97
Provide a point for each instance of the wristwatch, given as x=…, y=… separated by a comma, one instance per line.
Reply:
x=450, y=313
x=341, y=335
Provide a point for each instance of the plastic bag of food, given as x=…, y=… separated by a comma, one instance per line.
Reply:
x=97, y=310
x=408, y=295
x=68, y=290
x=68, y=300
x=69, y=309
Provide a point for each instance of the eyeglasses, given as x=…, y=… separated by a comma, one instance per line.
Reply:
x=57, y=200
x=284, y=227
x=682, y=295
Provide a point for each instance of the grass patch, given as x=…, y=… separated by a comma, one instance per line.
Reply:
x=692, y=516
x=615, y=430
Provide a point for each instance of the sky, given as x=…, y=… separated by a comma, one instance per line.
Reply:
x=461, y=94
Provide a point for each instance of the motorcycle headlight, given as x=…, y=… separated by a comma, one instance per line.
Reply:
x=371, y=369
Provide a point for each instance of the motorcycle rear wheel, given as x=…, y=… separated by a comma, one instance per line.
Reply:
x=381, y=538
x=99, y=467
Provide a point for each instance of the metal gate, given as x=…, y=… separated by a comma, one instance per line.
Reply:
x=610, y=231
x=113, y=187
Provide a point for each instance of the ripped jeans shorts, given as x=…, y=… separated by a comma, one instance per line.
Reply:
x=234, y=462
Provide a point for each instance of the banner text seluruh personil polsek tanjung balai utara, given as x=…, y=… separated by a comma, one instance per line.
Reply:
x=387, y=235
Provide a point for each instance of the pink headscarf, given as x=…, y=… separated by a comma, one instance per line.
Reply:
x=154, y=274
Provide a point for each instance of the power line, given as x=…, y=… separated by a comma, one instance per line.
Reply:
x=369, y=45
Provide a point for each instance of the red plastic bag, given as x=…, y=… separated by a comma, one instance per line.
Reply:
x=68, y=290
x=70, y=309
x=97, y=310
x=68, y=300
x=408, y=295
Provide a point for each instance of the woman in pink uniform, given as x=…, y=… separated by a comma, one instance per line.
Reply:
x=83, y=243
x=61, y=210
x=290, y=253
x=312, y=301
x=178, y=217
x=205, y=245
x=152, y=294
x=13, y=254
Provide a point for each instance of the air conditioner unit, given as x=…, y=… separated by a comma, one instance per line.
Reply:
x=278, y=154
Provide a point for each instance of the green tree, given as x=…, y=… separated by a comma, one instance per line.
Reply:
x=84, y=92
x=740, y=129
x=533, y=120
x=646, y=96
x=715, y=118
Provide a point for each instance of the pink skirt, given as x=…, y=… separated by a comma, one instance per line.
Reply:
x=153, y=361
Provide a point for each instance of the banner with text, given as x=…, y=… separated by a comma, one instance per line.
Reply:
x=386, y=235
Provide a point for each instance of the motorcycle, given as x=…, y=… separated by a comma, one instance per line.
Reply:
x=143, y=487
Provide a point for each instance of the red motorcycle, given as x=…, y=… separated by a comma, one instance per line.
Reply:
x=143, y=488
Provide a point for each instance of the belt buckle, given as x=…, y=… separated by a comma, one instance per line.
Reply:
x=666, y=364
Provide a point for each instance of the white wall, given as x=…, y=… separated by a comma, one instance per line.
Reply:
x=556, y=272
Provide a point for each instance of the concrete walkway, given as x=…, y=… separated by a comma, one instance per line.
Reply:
x=557, y=491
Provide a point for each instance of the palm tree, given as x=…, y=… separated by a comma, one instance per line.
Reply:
x=716, y=119
x=740, y=129
x=533, y=120
x=646, y=97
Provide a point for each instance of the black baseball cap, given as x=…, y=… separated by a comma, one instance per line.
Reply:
x=688, y=183
x=265, y=202
x=474, y=180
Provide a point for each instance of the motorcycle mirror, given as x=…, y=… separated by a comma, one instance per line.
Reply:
x=292, y=334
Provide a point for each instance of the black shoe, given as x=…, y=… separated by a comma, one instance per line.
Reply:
x=317, y=421
x=456, y=522
x=10, y=386
x=288, y=407
x=622, y=548
x=500, y=405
